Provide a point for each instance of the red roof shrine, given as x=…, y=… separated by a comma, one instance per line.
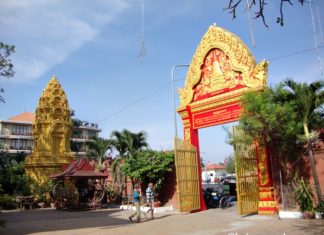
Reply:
x=80, y=168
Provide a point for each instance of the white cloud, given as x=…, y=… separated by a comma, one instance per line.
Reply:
x=46, y=32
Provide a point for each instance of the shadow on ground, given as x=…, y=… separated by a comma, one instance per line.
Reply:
x=45, y=220
x=311, y=226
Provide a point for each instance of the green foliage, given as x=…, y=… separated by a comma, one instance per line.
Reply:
x=267, y=116
x=76, y=146
x=230, y=165
x=149, y=166
x=128, y=142
x=6, y=67
x=98, y=148
x=278, y=115
x=304, y=196
x=7, y=202
x=320, y=208
x=202, y=162
x=307, y=101
x=43, y=192
x=13, y=179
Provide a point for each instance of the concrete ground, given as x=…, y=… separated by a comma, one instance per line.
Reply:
x=115, y=221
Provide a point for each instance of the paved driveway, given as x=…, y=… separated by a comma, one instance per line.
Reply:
x=115, y=221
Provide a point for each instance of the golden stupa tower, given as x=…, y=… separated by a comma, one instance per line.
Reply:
x=52, y=131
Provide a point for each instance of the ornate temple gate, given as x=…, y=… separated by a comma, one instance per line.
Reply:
x=246, y=175
x=187, y=175
x=221, y=71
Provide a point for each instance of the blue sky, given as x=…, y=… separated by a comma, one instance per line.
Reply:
x=93, y=46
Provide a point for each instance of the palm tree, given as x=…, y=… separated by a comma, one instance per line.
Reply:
x=128, y=144
x=308, y=101
x=99, y=147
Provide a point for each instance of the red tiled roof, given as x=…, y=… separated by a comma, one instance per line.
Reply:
x=24, y=117
x=80, y=169
x=215, y=166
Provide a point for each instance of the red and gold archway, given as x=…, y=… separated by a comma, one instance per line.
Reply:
x=221, y=71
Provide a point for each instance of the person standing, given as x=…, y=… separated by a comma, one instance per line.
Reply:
x=150, y=199
x=136, y=201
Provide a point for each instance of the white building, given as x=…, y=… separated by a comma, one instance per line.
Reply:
x=16, y=135
x=213, y=173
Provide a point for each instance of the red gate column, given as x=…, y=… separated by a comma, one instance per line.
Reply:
x=191, y=136
x=267, y=203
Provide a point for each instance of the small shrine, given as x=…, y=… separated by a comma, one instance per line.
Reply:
x=80, y=169
x=79, y=186
x=52, y=131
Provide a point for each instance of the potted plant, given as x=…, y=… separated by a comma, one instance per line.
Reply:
x=50, y=194
x=111, y=195
x=304, y=197
x=319, y=210
x=43, y=193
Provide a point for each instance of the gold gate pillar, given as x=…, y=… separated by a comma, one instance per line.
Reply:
x=267, y=203
x=52, y=131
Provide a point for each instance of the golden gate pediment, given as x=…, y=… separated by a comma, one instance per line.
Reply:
x=222, y=69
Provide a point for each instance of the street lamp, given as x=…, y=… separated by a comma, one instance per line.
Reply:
x=174, y=99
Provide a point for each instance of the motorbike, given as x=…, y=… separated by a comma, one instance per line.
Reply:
x=212, y=197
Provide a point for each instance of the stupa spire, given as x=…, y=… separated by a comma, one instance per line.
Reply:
x=52, y=131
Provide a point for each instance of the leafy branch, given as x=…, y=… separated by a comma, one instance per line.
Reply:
x=6, y=67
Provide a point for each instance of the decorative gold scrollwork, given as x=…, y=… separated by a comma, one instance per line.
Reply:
x=237, y=56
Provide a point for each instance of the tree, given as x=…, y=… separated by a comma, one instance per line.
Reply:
x=128, y=145
x=230, y=165
x=76, y=123
x=126, y=141
x=267, y=116
x=148, y=166
x=202, y=162
x=308, y=102
x=6, y=67
x=281, y=115
x=260, y=4
x=98, y=147
x=13, y=179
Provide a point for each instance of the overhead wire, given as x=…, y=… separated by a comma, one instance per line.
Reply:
x=250, y=22
x=133, y=103
x=167, y=84
x=319, y=24
x=315, y=38
x=296, y=53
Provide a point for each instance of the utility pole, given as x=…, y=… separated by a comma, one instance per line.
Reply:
x=174, y=99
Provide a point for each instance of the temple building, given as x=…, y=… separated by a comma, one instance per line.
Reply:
x=51, y=131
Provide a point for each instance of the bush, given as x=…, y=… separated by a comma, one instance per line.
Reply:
x=320, y=208
x=7, y=202
x=304, y=196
